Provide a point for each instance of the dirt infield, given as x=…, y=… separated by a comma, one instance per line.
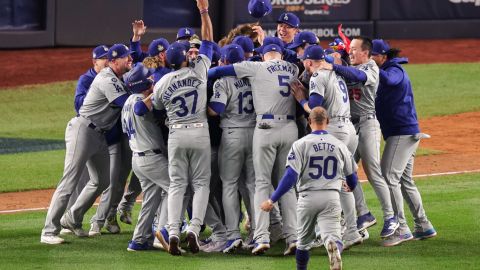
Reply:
x=459, y=153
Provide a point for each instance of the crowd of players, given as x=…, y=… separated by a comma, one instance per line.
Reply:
x=146, y=112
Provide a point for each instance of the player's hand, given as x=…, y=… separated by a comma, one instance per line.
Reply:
x=267, y=205
x=138, y=29
x=298, y=90
x=326, y=66
x=346, y=188
x=202, y=4
x=260, y=33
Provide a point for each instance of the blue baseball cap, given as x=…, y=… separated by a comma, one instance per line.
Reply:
x=100, y=52
x=328, y=51
x=216, y=53
x=268, y=41
x=314, y=52
x=185, y=33
x=303, y=38
x=118, y=51
x=137, y=79
x=245, y=42
x=380, y=46
x=176, y=54
x=272, y=48
x=233, y=53
x=259, y=8
x=290, y=19
x=157, y=46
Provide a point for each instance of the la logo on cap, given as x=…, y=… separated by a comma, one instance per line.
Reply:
x=94, y=55
x=105, y=48
x=114, y=53
x=187, y=32
x=160, y=47
x=285, y=17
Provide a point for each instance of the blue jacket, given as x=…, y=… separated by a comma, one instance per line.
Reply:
x=394, y=103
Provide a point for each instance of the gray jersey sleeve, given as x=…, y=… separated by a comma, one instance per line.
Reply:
x=318, y=83
x=156, y=97
x=200, y=66
x=295, y=159
x=113, y=89
x=350, y=166
x=246, y=69
x=220, y=92
x=372, y=72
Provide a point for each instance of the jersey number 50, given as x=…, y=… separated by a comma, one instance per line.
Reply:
x=323, y=167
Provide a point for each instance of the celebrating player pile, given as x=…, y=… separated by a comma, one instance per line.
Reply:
x=210, y=127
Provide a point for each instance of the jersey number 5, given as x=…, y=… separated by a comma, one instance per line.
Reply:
x=183, y=104
x=283, y=81
x=320, y=167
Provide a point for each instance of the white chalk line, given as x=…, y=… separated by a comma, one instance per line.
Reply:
x=363, y=180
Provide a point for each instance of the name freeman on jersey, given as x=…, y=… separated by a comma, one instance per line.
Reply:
x=278, y=67
x=190, y=82
x=323, y=147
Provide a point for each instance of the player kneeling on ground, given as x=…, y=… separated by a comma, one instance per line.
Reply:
x=318, y=164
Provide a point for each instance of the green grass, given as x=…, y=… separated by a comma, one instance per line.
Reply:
x=28, y=171
x=444, y=89
x=452, y=204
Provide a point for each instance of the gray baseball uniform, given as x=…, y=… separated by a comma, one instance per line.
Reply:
x=183, y=93
x=322, y=162
x=238, y=124
x=334, y=90
x=362, y=105
x=274, y=134
x=148, y=162
x=86, y=144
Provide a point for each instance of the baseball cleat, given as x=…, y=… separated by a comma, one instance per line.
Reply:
x=214, y=246
x=112, y=225
x=232, y=245
x=290, y=249
x=389, y=227
x=365, y=221
x=419, y=235
x=276, y=233
x=205, y=241
x=364, y=233
x=162, y=237
x=317, y=243
x=94, y=230
x=260, y=248
x=134, y=246
x=334, y=256
x=67, y=224
x=174, y=245
x=51, y=239
x=347, y=244
x=125, y=216
x=192, y=240
x=397, y=238
x=65, y=231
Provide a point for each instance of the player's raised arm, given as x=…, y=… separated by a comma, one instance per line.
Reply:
x=207, y=28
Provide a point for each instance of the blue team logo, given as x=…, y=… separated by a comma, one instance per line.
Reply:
x=114, y=80
x=217, y=94
x=291, y=156
x=312, y=85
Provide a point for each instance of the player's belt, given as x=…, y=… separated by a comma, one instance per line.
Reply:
x=193, y=125
x=275, y=117
x=340, y=118
x=92, y=125
x=358, y=119
x=142, y=154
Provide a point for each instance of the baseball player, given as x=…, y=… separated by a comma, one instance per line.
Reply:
x=329, y=90
x=274, y=133
x=148, y=159
x=302, y=41
x=183, y=94
x=318, y=164
x=86, y=145
x=232, y=100
x=362, y=84
x=402, y=135
x=287, y=27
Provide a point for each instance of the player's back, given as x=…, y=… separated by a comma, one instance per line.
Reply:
x=362, y=95
x=143, y=132
x=324, y=161
x=334, y=91
x=239, y=109
x=270, y=85
x=98, y=106
x=183, y=94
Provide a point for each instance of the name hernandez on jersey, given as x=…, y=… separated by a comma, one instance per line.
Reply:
x=334, y=91
x=270, y=85
x=362, y=95
x=321, y=162
x=98, y=105
x=236, y=95
x=183, y=93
